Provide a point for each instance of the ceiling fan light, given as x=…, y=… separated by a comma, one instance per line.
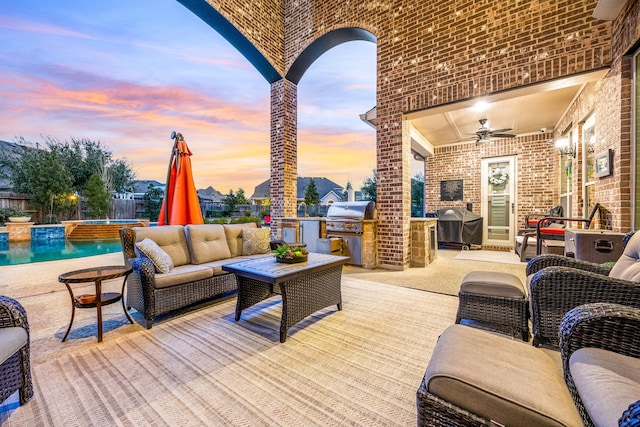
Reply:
x=482, y=140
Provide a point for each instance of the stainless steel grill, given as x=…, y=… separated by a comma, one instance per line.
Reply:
x=345, y=221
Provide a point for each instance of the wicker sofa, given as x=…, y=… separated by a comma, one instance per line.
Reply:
x=197, y=253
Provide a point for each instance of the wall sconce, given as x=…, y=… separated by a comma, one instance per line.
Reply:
x=565, y=147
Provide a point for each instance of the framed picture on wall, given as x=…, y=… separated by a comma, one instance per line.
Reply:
x=451, y=190
x=603, y=163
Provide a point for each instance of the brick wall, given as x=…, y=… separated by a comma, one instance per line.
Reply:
x=537, y=184
x=432, y=53
x=284, y=152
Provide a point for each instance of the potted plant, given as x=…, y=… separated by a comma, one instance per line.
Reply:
x=17, y=215
x=295, y=253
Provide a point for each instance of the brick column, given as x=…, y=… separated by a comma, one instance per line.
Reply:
x=284, y=152
x=394, y=184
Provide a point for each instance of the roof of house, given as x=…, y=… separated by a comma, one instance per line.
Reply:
x=324, y=186
x=211, y=193
x=11, y=149
x=142, y=185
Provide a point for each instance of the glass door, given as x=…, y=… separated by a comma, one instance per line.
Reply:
x=498, y=201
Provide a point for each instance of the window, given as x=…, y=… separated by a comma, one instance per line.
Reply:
x=588, y=162
x=566, y=176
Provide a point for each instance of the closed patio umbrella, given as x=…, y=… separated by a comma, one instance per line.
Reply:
x=180, y=205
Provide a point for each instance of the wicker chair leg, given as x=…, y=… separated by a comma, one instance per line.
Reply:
x=26, y=389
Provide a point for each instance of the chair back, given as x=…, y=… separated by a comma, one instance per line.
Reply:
x=627, y=267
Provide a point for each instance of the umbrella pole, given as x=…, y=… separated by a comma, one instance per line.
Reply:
x=177, y=137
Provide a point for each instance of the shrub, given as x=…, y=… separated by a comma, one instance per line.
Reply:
x=5, y=213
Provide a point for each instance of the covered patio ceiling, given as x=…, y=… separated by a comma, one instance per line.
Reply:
x=524, y=111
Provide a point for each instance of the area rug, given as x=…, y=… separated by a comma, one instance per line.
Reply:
x=491, y=256
x=358, y=366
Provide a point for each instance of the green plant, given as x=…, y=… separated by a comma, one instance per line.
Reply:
x=290, y=252
x=10, y=211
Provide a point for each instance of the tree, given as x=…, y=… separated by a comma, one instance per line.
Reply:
x=345, y=193
x=311, y=196
x=417, y=195
x=122, y=175
x=151, y=202
x=370, y=187
x=42, y=175
x=229, y=203
x=98, y=198
x=50, y=174
x=241, y=199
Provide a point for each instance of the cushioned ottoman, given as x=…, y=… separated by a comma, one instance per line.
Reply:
x=475, y=376
x=496, y=300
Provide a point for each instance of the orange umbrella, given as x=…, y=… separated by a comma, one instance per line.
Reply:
x=180, y=205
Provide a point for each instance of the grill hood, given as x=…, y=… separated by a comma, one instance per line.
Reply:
x=352, y=210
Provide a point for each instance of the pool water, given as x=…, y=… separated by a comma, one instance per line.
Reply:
x=54, y=250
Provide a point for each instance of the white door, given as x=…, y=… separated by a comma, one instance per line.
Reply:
x=498, y=201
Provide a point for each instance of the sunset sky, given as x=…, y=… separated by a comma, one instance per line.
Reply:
x=128, y=73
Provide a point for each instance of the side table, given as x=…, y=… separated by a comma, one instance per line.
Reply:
x=96, y=275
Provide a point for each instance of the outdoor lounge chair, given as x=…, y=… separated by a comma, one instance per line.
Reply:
x=556, y=284
x=15, y=370
x=478, y=378
x=544, y=230
x=525, y=244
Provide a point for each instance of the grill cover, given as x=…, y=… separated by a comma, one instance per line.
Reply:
x=351, y=210
x=459, y=226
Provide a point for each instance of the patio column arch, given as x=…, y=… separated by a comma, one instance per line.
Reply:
x=284, y=120
x=321, y=45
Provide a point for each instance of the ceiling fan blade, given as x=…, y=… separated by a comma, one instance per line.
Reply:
x=502, y=135
x=500, y=130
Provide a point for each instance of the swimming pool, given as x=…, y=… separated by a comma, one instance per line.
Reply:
x=12, y=253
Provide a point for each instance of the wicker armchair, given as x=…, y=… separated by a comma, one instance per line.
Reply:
x=611, y=327
x=15, y=371
x=556, y=284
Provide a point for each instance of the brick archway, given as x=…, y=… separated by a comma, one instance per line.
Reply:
x=321, y=45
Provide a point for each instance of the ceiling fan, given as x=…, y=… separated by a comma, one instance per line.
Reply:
x=484, y=133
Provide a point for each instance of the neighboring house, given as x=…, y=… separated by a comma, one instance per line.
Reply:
x=328, y=190
x=7, y=148
x=331, y=197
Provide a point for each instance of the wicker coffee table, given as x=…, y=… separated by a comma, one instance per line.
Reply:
x=305, y=287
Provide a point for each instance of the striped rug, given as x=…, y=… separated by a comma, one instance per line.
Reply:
x=358, y=366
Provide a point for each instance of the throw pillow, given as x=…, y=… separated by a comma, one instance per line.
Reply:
x=255, y=241
x=161, y=260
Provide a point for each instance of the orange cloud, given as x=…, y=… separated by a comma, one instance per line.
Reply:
x=230, y=140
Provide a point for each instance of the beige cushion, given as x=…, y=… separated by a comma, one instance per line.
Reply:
x=183, y=274
x=207, y=242
x=607, y=383
x=234, y=236
x=13, y=339
x=492, y=283
x=255, y=241
x=501, y=379
x=170, y=238
x=627, y=267
x=161, y=260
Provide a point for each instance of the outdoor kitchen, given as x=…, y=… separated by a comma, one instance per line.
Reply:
x=351, y=229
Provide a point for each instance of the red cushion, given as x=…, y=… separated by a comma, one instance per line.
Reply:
x=557, y=231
